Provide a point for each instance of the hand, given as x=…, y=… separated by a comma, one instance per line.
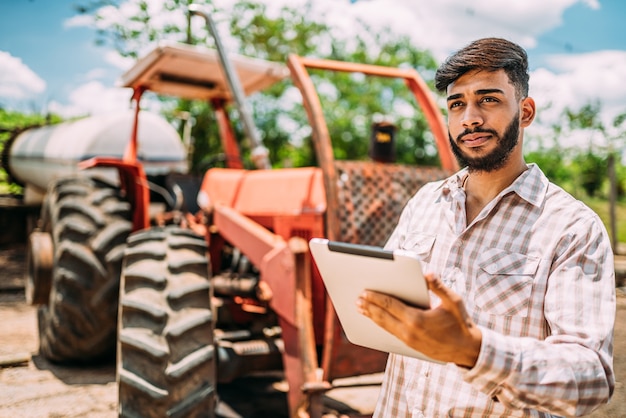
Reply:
x=445, y=333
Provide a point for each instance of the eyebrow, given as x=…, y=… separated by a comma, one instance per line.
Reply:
x=480, y=92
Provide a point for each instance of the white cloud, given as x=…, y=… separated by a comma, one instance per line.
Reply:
x=594, y=75
x=93, y=98
x=446, y=25
x=17, y=81
x=576, y=80
x=96, y=74
x=116, y=60
x=439, y=26
x=571, y=80
x=79, y=21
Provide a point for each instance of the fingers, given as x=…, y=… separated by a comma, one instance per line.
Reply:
x=392, y=304
x=376, y=304
x=369, y=300
x=389, y=312
x=435, y=285
x=449, y=298
x=445, y=332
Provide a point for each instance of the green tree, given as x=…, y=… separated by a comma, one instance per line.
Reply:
x=591, y=169
x=600, y=162
x=617, y=148
x=591, y=165
x=352, y=103
x=11, y=124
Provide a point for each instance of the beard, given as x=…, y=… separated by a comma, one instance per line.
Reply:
x=497, y=158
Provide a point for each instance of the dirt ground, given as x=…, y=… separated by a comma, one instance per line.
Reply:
x=32, y=387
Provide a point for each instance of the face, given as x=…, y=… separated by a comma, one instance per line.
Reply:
x=484, y=120
x=494, y=159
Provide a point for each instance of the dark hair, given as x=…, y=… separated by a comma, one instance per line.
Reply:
x=489, y=54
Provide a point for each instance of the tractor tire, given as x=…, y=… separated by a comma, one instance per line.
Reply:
x=167, y=361
x=89, y=223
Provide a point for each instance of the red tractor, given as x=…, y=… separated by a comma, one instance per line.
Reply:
x=229, y=291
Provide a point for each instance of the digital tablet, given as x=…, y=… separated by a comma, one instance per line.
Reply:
x=349, y=269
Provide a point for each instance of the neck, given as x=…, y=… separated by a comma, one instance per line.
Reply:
x=482, y=187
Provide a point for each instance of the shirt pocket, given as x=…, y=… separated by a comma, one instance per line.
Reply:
x=420, y=244
x=504, y=282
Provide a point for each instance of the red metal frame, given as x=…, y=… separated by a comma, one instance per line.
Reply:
x=276, y=242
x=227, y=135
x=285, y=267
x=271, y=242
x=133, y=180
x=340, y=358
x=321, y=138
x=270, y=215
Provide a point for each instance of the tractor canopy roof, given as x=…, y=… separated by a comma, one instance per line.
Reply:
x=194, y=72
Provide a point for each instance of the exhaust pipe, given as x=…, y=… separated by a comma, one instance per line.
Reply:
x=260, y=154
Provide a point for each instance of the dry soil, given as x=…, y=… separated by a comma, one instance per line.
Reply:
x=32, y=387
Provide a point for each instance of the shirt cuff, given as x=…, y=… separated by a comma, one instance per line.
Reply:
x=496, y=361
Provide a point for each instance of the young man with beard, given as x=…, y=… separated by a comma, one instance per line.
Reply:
x=521, y=274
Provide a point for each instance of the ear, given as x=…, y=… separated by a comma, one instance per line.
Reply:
x=528, y=112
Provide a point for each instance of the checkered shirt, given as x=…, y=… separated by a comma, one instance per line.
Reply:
x=535, y=269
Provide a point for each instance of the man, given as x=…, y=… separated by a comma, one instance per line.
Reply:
x=522, y=275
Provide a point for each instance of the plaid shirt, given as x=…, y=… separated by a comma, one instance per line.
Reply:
x=536, y=272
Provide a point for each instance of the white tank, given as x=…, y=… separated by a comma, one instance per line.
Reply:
x=39, y=155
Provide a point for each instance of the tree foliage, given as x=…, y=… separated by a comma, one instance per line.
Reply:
x=351, y=102
x=11, y=123
x=584, y=167
x=591, y=171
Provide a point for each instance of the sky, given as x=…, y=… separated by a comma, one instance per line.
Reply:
x=577, y=50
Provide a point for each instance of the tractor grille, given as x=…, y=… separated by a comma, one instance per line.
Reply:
x=372, y=195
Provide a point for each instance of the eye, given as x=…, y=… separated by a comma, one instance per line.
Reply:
x=453, y=105
x=489, y=100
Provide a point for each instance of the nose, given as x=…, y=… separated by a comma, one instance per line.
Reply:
x=471, y=117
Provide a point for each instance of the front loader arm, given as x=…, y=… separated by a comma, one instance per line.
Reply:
x=285, y=267
x=267, y=251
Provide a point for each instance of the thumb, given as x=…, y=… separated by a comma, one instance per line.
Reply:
x=451, y=300
x=448, y=296
x=435, y=285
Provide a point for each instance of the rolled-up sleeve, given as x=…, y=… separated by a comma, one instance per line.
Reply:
x=570, y=371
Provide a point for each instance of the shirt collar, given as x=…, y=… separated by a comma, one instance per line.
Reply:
x=531, y=185
x=451, y=186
